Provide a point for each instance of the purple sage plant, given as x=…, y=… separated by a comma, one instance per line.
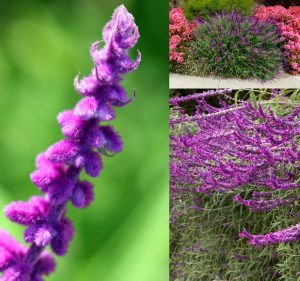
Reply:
x=233, y=147
x=58, y=169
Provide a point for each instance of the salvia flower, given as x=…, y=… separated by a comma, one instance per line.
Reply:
x=58, y=169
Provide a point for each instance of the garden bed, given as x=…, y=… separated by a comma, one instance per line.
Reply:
x=246, y=40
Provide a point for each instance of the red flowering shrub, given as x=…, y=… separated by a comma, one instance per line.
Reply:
x=288, y=22
x=180, y=31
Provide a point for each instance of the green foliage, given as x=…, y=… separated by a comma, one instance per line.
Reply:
x=208, y=247
x=231, y=45
x=205, y=8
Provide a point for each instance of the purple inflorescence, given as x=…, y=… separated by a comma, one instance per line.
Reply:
x=58, y=169
x=286, y=235
x=230, y=147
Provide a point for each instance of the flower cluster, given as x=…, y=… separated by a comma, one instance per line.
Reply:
x=180, y=31
x=230, y=147
x=286, y=235
x=232, y=45
x=58, y=169
x=288, y=23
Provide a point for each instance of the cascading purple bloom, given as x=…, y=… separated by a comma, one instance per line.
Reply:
x=58, y=169
x=285, y=235
x=229, y=147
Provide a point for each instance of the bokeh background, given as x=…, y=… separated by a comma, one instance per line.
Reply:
x=43, y=45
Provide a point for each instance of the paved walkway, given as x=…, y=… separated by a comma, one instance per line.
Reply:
x=179, y=81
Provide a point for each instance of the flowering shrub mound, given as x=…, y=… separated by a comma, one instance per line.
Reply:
x=205, y=8
x=58, y=169
x=232, y=45
x=288, y=22
x=235, y=165
x=180, y=32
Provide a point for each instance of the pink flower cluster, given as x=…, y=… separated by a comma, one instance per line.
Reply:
x=288, y=22
x=180, y=30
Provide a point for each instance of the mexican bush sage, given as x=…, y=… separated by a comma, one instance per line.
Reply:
x=233, y=45
x=231, y=148
x=58, y=169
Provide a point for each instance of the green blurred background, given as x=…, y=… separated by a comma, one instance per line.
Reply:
x=43, y=45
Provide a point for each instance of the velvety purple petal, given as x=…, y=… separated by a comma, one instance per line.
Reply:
x=44, y=235
x=86, y=86
x=93, y=164
x=45, y=176
x=87, y=108
x=79, y=161
x=6, y=259
x=41, y=234
x=94, y=52
x=113, y=141
x=60, y=243
x=29, y=233
x=83, y=194
x=60, y=191
x=42, y=162
x=105, y=112
x=40, y=203
x=95, y=137
x=36, y=277
x=17, y=272
x=45, y=264
x=105, y=72
x=72, y=126
x=126, y=64
x=11, y=245
x=26, y=213
x=10, y=250
x=115, y=95
x=63, y=151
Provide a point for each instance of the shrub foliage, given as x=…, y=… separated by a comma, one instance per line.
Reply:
x=232, y=45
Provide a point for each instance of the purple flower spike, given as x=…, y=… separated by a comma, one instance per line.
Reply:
x=58, y=169
x=285, y=235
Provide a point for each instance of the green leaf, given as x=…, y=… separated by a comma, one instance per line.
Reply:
x=253, y=99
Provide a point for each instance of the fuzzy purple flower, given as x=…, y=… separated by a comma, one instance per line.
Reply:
x=58, y=169
x=285, y=235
